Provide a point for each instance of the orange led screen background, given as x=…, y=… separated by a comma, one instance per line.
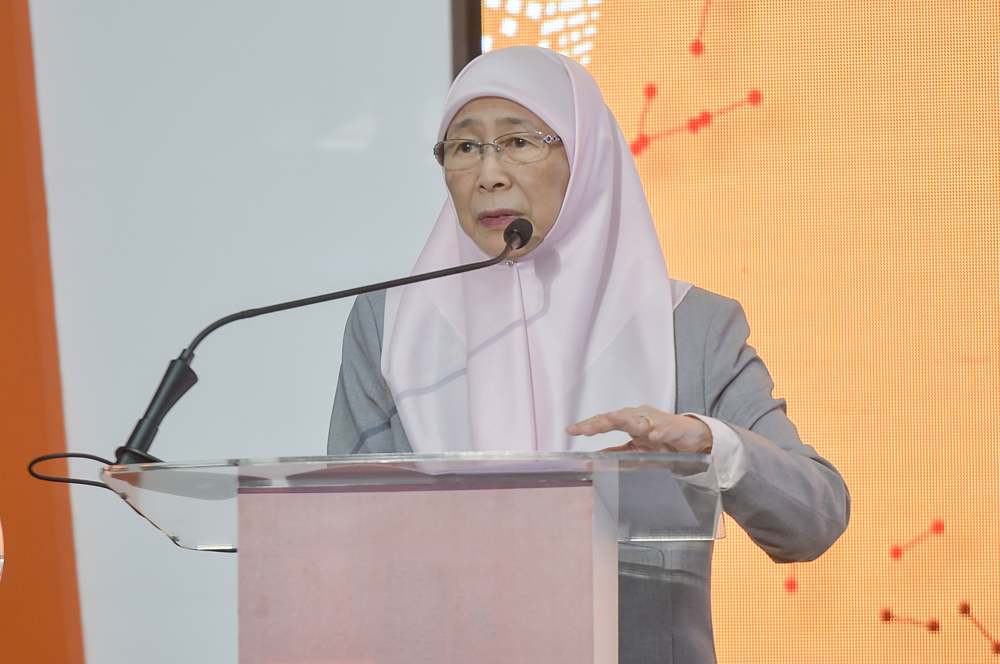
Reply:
x=834, y=167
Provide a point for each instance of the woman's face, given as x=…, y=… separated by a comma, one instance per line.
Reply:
x=495, y=191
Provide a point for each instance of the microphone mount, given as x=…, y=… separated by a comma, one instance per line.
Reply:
x=180, y=377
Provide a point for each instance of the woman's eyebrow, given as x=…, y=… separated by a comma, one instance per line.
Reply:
x=513, y=121
x=468, y=122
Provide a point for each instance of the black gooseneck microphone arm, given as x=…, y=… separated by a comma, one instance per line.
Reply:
x=180, y=377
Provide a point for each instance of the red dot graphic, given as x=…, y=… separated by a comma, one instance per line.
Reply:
x=754, y=97
x=640, y=143
x=791, y=584
x=650, y=90
x=697, y=47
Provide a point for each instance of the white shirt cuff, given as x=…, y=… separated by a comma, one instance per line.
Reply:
x=727, y=451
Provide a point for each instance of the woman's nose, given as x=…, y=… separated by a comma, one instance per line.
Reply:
x=493, y=175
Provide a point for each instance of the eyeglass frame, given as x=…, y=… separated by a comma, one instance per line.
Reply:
x=548, y=139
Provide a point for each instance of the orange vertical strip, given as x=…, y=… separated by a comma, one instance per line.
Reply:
x=39, y=608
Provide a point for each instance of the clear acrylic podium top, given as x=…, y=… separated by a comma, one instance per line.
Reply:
x=655, y=497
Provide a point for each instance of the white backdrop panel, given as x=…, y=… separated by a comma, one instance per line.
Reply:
x=201, y=158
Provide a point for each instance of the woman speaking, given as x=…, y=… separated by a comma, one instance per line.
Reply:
x=579, y=342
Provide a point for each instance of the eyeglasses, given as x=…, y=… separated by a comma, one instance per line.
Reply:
x=521, y=147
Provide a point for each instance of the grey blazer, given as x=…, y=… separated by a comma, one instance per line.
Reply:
x=792, y=502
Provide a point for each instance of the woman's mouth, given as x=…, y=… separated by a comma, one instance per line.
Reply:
x=497, y=218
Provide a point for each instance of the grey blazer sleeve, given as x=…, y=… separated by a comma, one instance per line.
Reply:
x=364, y=418
x=791, y=501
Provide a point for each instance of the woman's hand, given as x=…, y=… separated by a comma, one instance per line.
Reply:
x=652, y=430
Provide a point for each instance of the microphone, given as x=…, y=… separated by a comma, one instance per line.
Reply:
x=518, y=232
x=180, y=377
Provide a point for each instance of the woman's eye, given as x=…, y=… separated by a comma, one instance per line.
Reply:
x=465, y=147
x=519, y=142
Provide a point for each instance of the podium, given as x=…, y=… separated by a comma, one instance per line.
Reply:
x=444, y=558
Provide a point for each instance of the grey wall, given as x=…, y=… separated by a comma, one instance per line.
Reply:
x=201, y=158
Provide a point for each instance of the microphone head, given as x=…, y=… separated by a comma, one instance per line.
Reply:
x=518, y=232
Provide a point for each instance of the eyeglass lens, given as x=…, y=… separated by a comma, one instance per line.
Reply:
x=458, y=154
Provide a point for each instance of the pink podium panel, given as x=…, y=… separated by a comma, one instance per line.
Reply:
x=489, y=574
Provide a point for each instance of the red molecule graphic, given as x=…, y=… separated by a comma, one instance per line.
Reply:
x=965, y=610
x=932, y=625
x=697, y=122
x=897, y=550
x=693, y=125
x=697, y=45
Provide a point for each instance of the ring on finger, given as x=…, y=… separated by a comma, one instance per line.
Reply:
x=649, y=422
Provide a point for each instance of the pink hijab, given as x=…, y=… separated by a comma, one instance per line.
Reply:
x=507, y=357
